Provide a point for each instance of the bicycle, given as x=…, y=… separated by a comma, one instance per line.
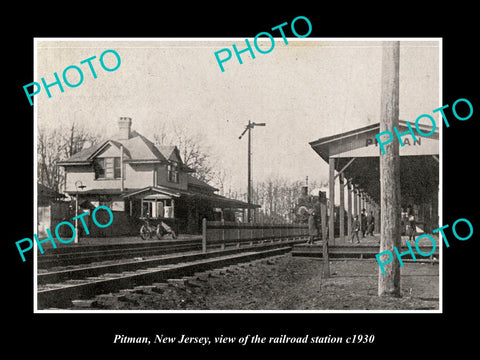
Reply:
x=147, y=231
x=164, y=229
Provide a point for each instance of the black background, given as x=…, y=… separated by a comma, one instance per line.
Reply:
x=62, y=335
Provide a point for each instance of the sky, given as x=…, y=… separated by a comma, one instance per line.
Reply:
x=303, y=91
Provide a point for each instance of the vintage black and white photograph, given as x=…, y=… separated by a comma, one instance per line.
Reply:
x=238, y=175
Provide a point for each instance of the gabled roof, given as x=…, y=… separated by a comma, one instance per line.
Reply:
x=137, y=149
x=169, y=152
x=153, y=189
x=82, y=156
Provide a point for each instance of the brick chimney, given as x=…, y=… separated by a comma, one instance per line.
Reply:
x=124, y=126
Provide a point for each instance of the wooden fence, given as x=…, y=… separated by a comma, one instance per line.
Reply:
x=221, y=233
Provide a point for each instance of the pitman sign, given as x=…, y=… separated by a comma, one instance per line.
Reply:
x=365, y=144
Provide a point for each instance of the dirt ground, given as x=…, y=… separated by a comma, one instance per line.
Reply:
x=286, y=283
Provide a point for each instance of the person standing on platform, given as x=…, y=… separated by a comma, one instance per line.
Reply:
x=312, y=227
x=412, y=226
x=355, y=229
x=363, y=223
x=370, y=223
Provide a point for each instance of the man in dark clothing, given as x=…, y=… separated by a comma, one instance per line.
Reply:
x=312, y=227
x=412, y=226
x=370, y=223
x=355, y=229
x=363, y=222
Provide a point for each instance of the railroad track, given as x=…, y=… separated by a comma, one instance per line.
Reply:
x=58, y=289
x=84, y=254
x=354, y=251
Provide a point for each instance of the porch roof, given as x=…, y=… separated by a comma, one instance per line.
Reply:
x=214, y=199
x=152, y=190
x=223, y=202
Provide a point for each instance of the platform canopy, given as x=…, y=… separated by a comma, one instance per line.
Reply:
x=356, y=154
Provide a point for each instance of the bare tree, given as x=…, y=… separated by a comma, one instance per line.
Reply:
x=58, y=144
x=48, y=153
x=194, y=152
x=278, y=198
x=219, y=179
x=75, y=138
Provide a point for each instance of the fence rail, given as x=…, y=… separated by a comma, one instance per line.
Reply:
x=222, y=233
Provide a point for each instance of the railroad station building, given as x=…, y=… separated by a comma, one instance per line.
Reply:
x=136, y=178
x=354, y=166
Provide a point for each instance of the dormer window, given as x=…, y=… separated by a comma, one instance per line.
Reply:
x=107, y=168
x=172, y=173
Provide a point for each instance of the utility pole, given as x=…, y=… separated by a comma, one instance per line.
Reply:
x=78, y=184
x=248, y=128
x=323, y=216
x=389, y=283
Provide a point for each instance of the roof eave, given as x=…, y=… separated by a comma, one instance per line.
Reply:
x=70, y=163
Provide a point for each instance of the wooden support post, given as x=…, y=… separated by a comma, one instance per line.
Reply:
x=360, y=203
x=122, y=170
x=389, y=283
x=355, y=202
x=238, y=235
x=331, y=198
x=263, y=234
x=222, y=246
x=204, y=235
x=251, y=234
x=377, y=218
x=323, y=217
x=342, y=209
x=349, y=209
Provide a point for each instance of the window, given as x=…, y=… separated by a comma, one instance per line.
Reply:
x=107, y=168
x=99, y=167
x=173, y=172
x=158, y=209
x=117, y=170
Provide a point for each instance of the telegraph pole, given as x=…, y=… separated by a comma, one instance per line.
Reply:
x=249, y=181
x=248, y=128
x=389, y=283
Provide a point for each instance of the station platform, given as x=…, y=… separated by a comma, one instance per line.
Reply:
x=367, y=248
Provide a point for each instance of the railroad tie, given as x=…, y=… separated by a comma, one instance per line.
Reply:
x=160, y=287
x=203, y=276
x=143, y=289
x=192, y=281
x=81, y=303
x=177, y=282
